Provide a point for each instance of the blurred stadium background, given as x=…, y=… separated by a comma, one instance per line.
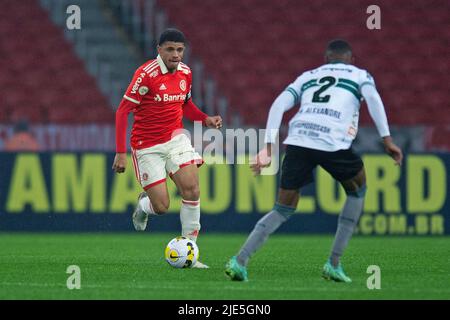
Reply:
x=61, y=87
x=64, y=86
x=242, y=53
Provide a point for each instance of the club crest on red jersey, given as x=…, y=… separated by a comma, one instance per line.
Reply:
x=183, y=85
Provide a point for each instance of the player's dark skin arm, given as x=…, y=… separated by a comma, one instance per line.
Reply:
x=393, y=150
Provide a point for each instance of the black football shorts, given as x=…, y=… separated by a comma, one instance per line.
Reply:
x=299, y=164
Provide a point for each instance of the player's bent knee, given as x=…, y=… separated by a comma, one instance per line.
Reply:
x=288, y=198
x=359, y=192
x=191, y=193
x=161, y=208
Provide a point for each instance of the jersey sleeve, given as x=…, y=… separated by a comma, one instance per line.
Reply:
x=295, y=88
x=138, y=87
x=190, y=110
x=284, y=102
x=189, y=85
x=193, y=113
x=375, y=105
x=122, y=112
x=365, y=78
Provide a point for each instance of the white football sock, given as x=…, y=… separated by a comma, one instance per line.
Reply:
x=190, y=219
x=146, y=205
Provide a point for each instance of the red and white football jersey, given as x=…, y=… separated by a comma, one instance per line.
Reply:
x=157, y=98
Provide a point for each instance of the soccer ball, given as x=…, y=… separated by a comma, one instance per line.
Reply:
x=181, y=252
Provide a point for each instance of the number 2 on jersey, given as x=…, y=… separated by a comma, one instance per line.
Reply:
x=327, y=82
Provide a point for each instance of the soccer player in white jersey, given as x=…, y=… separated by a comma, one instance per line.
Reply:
x=321, y=133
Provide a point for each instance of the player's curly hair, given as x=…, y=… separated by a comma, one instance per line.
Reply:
x=171, y=34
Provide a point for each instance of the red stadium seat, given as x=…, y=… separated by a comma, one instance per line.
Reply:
x=266, y=45
x=41, y=75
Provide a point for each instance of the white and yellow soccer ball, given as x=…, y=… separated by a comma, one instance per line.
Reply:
x=181, y=252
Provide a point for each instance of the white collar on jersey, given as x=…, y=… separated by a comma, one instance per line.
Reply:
x=163, y=67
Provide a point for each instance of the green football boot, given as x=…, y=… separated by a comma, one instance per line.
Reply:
x=335, y=273
x=235, y=271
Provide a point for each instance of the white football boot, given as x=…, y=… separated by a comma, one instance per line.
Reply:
x=200, y=265
x=140, y=218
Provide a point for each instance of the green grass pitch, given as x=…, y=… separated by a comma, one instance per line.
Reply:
x=131, y=266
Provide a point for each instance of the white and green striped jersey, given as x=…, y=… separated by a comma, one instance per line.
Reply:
x=330, y=98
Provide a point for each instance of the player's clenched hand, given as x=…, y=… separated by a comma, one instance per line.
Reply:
x=393, y=150
x=120, y=162
x=262, y=160
x=214, y=122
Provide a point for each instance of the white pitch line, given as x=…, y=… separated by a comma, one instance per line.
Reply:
x=231, y=288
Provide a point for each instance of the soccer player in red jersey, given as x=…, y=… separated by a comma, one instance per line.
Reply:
x=159, y=95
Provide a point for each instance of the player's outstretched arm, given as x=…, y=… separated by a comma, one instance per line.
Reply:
x=214, y=122
x=262, y=159
x=378, y=114
x=193, y=113
x=393, y=150
x=120, y=160
x=282, y=103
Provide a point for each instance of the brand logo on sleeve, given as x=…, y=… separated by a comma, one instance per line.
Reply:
x=154, y=74
x=143, y=90
x=138, y=82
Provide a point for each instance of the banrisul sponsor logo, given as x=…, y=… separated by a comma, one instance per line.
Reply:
x=174, y=97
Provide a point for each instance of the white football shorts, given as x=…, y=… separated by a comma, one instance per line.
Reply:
x=152, y=165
